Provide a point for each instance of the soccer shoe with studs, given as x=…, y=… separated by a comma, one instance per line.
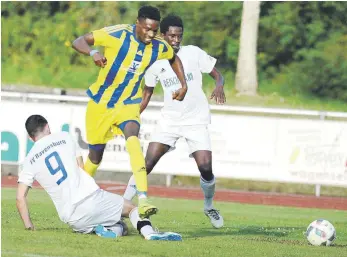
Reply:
x=146, y=209
x=215, y=218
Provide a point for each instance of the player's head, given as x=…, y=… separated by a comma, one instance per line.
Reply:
x=171, y=28
x=147, y=23
x=37, y=127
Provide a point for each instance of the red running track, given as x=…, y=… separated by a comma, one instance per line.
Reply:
x=338, y=203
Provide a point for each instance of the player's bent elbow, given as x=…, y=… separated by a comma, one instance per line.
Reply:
x=75, y=43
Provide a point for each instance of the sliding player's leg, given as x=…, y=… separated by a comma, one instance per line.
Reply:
x=101, y=214
x=144, y=226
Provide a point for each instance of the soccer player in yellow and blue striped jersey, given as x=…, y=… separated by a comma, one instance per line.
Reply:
x=115, y=97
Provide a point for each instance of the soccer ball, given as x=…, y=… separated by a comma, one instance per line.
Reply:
x=321, y=232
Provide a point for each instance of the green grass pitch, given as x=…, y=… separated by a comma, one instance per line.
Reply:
x=250, y=230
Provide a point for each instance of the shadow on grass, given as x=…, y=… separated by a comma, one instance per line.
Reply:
x=256, y=234
x=276, y=232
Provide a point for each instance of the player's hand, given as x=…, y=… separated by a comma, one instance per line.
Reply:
x=30, y=228
x=218, y=95
x=179, y=94
x=99, y=60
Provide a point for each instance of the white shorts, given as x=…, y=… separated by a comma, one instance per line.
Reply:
x=100, y=208
x=196, y=136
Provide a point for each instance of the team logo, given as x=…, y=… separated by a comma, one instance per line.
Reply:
x=134, y=66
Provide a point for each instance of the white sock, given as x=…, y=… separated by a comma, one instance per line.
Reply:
x=130, y=191
x=208, y=187
x=134, y=219
x=118, y=229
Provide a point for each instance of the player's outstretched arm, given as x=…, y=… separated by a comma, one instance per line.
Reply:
x=218, y=92
x=177, y=67
x=146, y=97
x=22, y=205
x=82, y=45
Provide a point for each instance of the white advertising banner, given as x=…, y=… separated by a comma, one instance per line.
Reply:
x=312, y=152
x=244, y=147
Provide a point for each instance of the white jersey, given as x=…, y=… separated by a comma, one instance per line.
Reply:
x=194, y=109
x=52, y=163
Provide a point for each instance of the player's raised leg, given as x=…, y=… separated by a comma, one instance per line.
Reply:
x=154, y=152
x=137, y=161
x=207, y=182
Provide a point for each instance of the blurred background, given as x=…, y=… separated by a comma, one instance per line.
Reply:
x=301, y=46
x=272, y=54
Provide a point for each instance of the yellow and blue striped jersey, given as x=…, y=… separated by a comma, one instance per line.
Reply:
x=127, y=61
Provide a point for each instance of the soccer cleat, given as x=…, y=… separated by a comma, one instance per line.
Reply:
x=146, y=209
x=165, y=236
x=215, y=218
x=103, y=232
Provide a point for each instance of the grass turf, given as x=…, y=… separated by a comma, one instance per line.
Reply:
x=250, y=230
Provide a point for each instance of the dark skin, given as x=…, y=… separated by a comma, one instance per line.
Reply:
x=146, y=30
x=156, y=150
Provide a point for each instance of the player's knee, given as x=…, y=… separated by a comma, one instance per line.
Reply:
x=206, y=171
x=95, y=160
x=128, y=206
x=150, y=163
x=95, y=157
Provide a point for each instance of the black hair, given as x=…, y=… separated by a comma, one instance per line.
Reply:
x=35, y=124
x=171, y=20
x=149, y=12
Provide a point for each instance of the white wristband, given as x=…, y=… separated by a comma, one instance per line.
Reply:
x=93, y=52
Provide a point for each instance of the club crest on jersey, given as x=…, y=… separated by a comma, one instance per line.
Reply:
x=134, y=66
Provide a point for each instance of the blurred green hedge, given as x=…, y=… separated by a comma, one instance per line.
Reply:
x=301, y=47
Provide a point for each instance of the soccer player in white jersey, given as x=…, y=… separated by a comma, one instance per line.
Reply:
x=187, y=119
x=55, y=162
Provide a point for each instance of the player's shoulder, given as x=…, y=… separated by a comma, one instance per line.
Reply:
x=63, y=137
x=192, y=49
x=116, y=31
x=118, y=27
x=158, y=40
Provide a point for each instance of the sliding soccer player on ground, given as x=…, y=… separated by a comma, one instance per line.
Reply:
x=55, y=162
x=188, y=119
